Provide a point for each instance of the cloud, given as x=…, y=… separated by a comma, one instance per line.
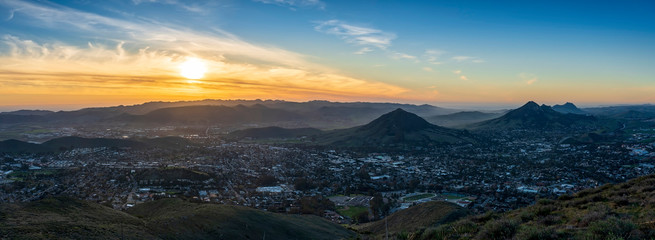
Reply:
x=295, y=3
x=467, y=58
x=141, y=57
x=428, y=69
x=363, y=50
x=399, y=55
x=357, y=35
x=528, y=78
x=432, y=56
x=461, y=76
x=191, y=8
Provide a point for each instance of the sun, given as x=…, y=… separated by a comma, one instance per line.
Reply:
x=193, y=68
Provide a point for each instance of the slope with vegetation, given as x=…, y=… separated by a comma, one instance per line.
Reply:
x=424, y=215
x=66, y=218
x=613, y=211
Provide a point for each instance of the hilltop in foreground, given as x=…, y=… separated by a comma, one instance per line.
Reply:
x=55, y=218
x=613, y=211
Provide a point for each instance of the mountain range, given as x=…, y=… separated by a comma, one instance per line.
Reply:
x=318, y=114
x=535, y=117
x=568, y=108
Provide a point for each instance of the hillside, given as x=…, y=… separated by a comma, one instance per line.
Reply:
x=461, y=118
x=17, y=146
x=613, y=211
x=398, y=127
x=568, y=108
x=417, y=217
x=174, y=218
x=66, y=218
x=534, y=117
x=274, y=132
x=72, y=142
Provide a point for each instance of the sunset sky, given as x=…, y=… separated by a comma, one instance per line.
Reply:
x=80, y=53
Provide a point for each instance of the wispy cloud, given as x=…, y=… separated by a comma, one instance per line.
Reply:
x=195, y=7
x=428, y=69
x=363, y=50
x=144, y=59
x=528, y=78
x=461, y=75
x=295, y=3
x=362, y=36
x=399, y=55
x=432, y=56
x=467, y=59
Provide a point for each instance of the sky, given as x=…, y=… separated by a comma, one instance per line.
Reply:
x=81, y=53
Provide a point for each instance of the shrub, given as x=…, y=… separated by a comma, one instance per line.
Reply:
x=565, y=197
x=612, y=228
x=536, y=233
x=499, y=229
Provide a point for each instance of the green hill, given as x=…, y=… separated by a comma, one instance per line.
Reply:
x=66, y=218
x=177, y=219
x=421, y=216
x=396, y=128
x=613, y=211
x=461, y=118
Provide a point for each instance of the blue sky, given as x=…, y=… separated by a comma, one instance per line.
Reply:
x=437, y=52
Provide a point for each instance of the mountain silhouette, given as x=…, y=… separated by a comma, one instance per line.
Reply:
x=536, y=117
x=398, y=127
x=568, y=108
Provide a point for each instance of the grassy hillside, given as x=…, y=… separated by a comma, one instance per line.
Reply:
x=175, y=218
x=619, y=211
x=66, y=218
x=57, y=218
x=414, y=218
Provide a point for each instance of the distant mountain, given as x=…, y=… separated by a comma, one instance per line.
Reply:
x=28, y=112
x=211, y=115
x=68, y=143
x=533, y=116
x=318, y=114
x=634, y=115
x=6, y=118
x=617, y=110
x=67, y=218
x=568, y=108
x=461, y=118
x=274, y=132
x=424, y=215
x=398, y=127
